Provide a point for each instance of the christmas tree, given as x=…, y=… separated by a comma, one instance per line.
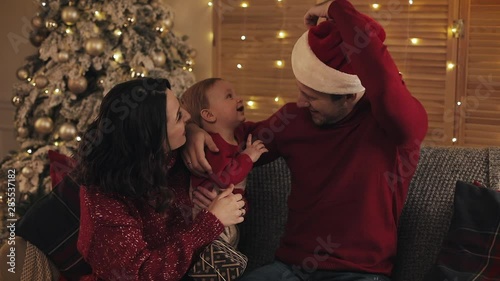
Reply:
x=85, y=47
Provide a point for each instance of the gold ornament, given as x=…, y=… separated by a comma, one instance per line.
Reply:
x=67, y=131
x=27, y=172
x=23, y=73
x=95, y=46
x=41, y=81
x=159, y=58
x=37, y=22
x=44, y=125
x=70, y=15
x=51, y=24
x=17, y=101
x=77, y=85
x=169, y=23
x=62, y=56
x=23, y=132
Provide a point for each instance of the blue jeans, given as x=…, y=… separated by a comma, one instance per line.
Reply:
x=278, y=271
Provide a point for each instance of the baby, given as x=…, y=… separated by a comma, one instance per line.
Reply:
x=215, y=107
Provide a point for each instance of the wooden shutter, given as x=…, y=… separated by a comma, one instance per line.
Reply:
x=424, y=65
x=479, y=88
x=259, y=80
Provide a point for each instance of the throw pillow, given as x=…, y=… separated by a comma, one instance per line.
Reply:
x=52, y=223
x=471, y=250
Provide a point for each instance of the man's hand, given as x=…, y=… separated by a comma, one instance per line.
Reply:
x=193, y=152
x=316, y=12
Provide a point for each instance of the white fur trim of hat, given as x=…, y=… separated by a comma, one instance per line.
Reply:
x=315, y=74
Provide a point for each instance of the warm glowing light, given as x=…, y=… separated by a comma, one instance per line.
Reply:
x=210, y=4
x=244, y=4
x=375, y=6
x=57, y=91
x=44, y=4
x=454, y=139
x=99, y=15
x=281, y=34
x=250, y=103
x=78, y=138
x=69, y=31
x=56, y=143
x=118, y=33
x=459, y=103
x=414, y=41
x=411, y=2
x=276, y=99
x=280, y=63
x=29, y=151
x=451, y=66
x=454, y=30
x=239, y=66
x=46, y=91
x=243, y=37
x=118, y=57
x=189, y=69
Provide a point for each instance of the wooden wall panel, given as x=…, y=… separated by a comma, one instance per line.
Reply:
x=441, y=71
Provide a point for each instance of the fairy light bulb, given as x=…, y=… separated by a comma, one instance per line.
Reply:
x=375, y=6
x=239, y=66
x=281, y=34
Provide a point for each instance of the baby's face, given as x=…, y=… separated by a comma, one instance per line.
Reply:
x=227, y=107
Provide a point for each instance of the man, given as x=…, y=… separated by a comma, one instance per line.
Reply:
x=351, y=152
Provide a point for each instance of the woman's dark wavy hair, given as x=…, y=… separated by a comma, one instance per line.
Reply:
x=124, y=151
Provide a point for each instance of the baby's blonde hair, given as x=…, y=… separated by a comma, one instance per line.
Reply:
x=195, y=99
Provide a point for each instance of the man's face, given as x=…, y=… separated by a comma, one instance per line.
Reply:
x=321, y=106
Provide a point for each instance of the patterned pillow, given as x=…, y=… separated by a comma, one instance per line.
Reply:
x=52, y=223
x=471, y=250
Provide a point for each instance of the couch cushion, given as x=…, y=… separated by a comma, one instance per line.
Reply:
x=53, y=222
x=267, y=190
x=429, y=207
x=471, y=250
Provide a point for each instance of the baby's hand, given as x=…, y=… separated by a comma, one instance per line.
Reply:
x=255, y=149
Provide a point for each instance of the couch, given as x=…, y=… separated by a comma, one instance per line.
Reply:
x=424, y=222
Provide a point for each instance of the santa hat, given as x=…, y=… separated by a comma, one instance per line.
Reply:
x=319, y=60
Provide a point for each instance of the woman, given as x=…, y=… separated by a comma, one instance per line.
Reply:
x=136, y=221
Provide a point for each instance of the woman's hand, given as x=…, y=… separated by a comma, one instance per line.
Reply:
x=193, y=152
x=228, y=207
x=316, y=12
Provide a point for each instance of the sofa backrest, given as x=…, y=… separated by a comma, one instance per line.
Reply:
x=423, y=224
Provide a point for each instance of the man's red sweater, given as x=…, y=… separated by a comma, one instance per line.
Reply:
x=349, y=179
